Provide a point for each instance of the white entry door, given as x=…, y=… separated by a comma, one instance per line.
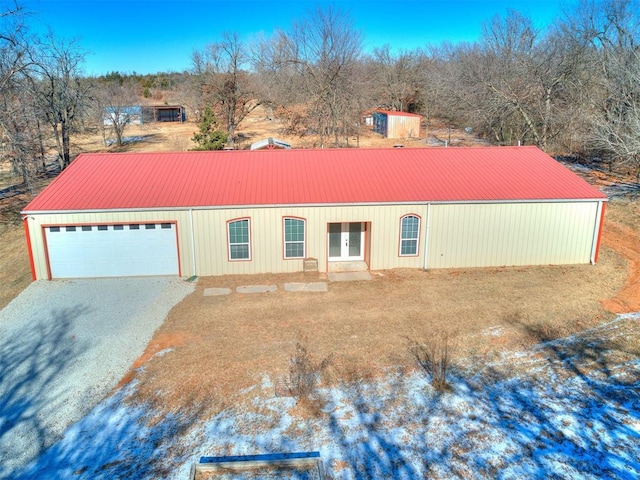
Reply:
x=346, y=241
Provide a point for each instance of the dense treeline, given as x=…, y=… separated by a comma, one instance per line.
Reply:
x=571, y=88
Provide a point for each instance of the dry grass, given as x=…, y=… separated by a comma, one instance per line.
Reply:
x=624, y=212
x=15, y=274
x=368, y=326
x=436, y=355
x=152, y=137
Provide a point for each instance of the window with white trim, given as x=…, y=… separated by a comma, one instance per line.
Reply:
x=238, y=235
x=409, y=235
x=294, y=237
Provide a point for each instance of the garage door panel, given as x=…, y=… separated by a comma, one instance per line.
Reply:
x=112, y=251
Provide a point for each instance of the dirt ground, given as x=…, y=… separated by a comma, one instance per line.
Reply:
x=15, y=272
x=621, y=233
x=154, y=137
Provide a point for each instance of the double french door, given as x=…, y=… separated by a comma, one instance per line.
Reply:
x=346, y=241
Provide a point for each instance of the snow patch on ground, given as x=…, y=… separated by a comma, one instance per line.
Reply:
x=573, y=412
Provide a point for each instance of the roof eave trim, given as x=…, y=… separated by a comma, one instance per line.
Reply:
x=306, y=205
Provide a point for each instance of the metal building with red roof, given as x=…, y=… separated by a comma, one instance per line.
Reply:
x=214, y=213
x=392, y=124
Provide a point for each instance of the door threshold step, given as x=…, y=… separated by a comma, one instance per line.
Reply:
x=348, y=276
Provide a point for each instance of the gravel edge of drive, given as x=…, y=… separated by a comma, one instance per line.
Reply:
x=64, y=346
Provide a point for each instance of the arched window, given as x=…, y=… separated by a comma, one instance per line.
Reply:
x=239, y=239
x=409, y=235
x=294, y=238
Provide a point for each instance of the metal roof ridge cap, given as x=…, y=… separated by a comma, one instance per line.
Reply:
x=317, y=149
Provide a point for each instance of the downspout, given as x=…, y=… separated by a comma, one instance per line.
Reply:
x=193, y=243
x=426, y=236
x=597, y=233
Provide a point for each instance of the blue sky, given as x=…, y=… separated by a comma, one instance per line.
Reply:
x=148, y=36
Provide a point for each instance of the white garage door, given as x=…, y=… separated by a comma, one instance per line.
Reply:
x=112, y=250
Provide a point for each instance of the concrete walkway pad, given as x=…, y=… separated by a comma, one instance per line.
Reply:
x=306, y=287
x=257, y=288
x=348, y=276
x=215, y=292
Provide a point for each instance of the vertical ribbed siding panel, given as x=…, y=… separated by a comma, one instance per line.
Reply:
x=267, y=237
x=400, y=126
x=483, y=235
x=463, y=235
x=262, y=246
x=209, y=241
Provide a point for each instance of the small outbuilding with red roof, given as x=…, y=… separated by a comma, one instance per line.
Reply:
x=242, y=212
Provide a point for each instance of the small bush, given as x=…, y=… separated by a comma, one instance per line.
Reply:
x=435, y=355
x=304, y=372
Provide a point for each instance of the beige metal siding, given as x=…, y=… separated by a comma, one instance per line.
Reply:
x=267, y=254
x=481, y=235
x=469, y=235
x=400, y=126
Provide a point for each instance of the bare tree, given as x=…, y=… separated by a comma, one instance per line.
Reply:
x=277, y=77
x=516, y=85
x=61, y=91
x=115, y=108
x=317, y=61
x=325, y=48
x=281, y=84
x=18, y=125
x=520, y=75
x=12, y=45
x=20, y=130
x=454, y=85
x=223, y=71
x=432, y=82
x=396, y=78
x=617, y=131
x=612, y=30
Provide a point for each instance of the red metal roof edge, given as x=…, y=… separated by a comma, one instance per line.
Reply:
x=316, y=149
x=398, y=114
x=243, y=185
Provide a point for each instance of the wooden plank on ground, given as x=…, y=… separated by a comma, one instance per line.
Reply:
x=247, y=462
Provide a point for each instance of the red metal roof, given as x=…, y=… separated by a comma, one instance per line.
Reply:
x=106, y=181
x=398, y=114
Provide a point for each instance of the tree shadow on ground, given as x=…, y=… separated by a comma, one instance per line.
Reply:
x=130, y=142
x=379, y=450
x=572, y=409
x=119, y=439
x=32, y=358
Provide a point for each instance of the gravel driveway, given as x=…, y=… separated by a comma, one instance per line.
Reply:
x=64, y=345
